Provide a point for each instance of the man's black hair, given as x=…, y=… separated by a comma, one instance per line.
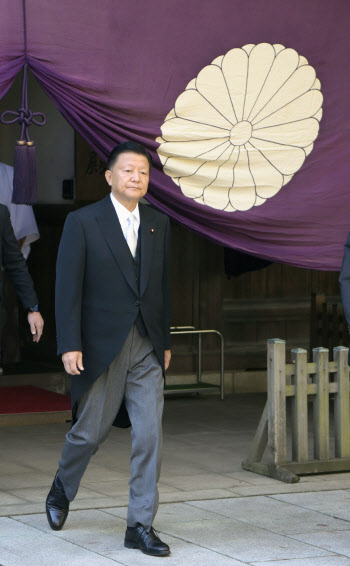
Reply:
x=125, y=147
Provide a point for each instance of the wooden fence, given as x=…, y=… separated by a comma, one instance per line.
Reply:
x=285, y=447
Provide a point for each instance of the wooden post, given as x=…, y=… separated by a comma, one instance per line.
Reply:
x=321, y=404
x=341, y=404
x=276, y=377
x=299, y=407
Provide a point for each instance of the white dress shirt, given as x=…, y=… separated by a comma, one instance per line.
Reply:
x=22, y=215
x=123, y=215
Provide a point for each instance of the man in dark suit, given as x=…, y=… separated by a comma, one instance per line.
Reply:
x=113, y=331
x=344, y=281
x=15, y=265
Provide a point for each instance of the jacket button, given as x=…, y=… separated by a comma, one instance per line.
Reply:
x=138, y=303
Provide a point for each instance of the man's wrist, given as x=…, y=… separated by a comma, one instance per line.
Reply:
x=35, y=308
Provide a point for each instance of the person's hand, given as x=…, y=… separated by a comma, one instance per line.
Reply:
x=36, y=324
x=73, y=362
x=167, y=358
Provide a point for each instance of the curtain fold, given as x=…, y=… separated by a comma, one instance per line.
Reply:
x=116, y=71
x=11, y=42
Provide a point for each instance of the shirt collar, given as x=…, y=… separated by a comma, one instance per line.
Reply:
x=123, y=213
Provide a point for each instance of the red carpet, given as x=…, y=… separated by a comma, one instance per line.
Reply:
x=30, y=399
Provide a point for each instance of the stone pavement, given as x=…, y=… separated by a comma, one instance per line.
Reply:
x=212, y=512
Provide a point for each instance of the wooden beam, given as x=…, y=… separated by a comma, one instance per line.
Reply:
x=276, y=387
x=299, y=407
x=321, y=404
x=341, y=404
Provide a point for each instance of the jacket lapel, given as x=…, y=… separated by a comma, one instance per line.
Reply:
x=148, y=234
x=108, y=222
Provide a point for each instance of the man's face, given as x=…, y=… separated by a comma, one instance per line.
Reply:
x=128, y=178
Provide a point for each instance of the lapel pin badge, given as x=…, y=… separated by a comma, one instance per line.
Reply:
x=152, y=230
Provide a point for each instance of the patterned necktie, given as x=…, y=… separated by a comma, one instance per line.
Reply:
x=131, y=237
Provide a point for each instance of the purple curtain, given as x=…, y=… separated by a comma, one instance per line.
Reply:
x=115, y=70
x=11, y=43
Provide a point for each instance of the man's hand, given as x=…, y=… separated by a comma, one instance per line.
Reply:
x=167, y=358
x=36, y=324
x=73, y=362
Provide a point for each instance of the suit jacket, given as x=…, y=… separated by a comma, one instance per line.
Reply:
x=14, y=263
x=344, y=281
x=97, y=295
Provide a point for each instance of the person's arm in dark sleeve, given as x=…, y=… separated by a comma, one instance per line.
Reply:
x=344, y=281
x=16, y=266
x=166, y=286
x=69, y=286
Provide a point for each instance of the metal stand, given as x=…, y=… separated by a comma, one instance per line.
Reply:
x=199, y=385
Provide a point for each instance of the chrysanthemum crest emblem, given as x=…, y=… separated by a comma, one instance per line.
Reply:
x=243, y=127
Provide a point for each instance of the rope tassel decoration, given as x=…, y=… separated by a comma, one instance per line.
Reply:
x=24, y=180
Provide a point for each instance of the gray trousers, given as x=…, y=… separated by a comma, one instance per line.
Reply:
x=136, y=375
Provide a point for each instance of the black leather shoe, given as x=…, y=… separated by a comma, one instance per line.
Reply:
x=146, y=541
x=57, y=505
